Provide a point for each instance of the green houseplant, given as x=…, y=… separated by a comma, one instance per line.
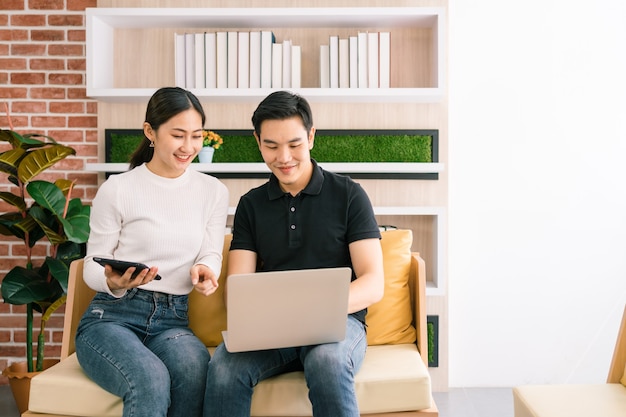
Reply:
x=41, y=209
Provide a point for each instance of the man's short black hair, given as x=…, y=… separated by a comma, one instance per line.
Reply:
x=282, y=105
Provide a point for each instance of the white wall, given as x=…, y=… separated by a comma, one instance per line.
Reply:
x=537, y=222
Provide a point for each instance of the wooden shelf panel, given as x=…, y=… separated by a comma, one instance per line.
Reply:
x=379, y=167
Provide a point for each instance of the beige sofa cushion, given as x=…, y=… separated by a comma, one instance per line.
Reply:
x=570, y=400
x=392, y=378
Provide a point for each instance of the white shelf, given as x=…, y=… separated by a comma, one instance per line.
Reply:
x=236, y=95
x=102, y=24
x=268, y=17
x=379, y=167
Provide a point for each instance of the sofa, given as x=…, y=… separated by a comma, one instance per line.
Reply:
x=393, y=381
x=579, y=400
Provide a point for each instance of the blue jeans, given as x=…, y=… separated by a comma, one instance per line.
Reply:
x=329, y=371
x=140, y=348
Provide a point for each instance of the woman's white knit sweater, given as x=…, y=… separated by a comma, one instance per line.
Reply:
x=171, y=223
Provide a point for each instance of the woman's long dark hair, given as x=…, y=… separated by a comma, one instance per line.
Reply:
x=164, y=104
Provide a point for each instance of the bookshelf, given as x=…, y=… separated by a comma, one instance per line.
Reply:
x=130, y=53
x=117, y=39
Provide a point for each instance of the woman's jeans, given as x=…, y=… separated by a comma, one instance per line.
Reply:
x=140, y=348
x=329, y=371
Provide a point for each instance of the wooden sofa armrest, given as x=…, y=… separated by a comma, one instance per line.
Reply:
x=417, y=285
x=616, y=371
x=79, y=296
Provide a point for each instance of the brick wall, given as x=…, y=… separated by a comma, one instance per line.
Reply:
x=42, y=80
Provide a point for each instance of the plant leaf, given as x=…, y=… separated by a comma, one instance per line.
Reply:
x=29, y=225
x=48, y=196
x=26, y=141
x=41, y=159
x=76, y=223
x=48, y=224
x=30, y=139
x=26, y=224
x=11, y=136
x=64, y=185
x=53, y=307
x=14, y=200
x=8, y=223
x=23, y=286
x=59, y=270
x=9, y=160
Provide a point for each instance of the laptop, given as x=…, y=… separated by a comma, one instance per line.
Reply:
x=270, y=310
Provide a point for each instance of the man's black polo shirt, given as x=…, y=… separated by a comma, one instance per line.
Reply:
x=310, y=230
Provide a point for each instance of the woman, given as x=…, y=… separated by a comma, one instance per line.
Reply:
x=134, y=339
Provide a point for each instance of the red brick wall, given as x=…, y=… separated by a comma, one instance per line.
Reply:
x=42, y=80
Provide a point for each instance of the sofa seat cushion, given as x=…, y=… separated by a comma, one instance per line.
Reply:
x=570, y=400
x=392, y=378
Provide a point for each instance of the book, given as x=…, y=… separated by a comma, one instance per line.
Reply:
x=287, y=63
x=231, y=48
x=384, y=46
x=344, y=63
x=333, y=60
x=353, y=53
x=277, y=65
x=221, y=57
x=243, y=60
x=210, y=61
x=255, y=59
x=362, y=59
x=267, y=40
x=190, y=65
x=372, y=59
x=199, y=60
x=324, y=67
x=179, y=60
x=296, y=66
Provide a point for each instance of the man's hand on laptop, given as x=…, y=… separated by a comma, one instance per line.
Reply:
x=203, y=279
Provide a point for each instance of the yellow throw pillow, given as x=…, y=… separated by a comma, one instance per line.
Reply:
x=207, y=315
x=623, y=380
x=389, y=321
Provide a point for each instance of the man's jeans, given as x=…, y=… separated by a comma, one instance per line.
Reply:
x=329, y=370
x=139, y=347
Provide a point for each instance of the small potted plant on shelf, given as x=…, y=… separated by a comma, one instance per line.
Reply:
x=41, y=209
x=211, y=141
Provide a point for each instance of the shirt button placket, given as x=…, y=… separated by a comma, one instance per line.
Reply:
x=293, y=232
x=292, y=218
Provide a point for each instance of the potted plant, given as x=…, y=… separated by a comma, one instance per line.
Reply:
x=42, y=209
x=211, y=142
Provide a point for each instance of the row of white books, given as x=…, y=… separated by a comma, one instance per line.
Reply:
x=233, y=59
x=361, y=61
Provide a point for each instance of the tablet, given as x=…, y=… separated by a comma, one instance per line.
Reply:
x=122, y=266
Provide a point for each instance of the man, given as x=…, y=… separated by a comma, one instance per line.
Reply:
x=303, y=217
